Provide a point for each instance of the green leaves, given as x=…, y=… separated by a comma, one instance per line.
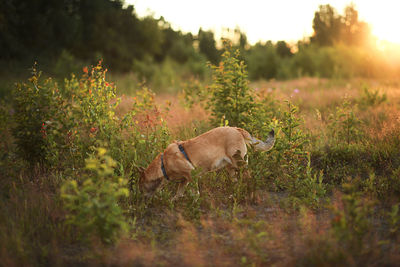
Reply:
x=344, y=126
x=93, y=205
x=230, y=95
x=35, y=104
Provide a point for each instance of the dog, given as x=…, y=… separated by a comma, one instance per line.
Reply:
x=222, y=147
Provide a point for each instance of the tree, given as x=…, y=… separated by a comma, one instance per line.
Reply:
x=283, y=49
x=87, y=29
x=36, y=28
x=263, y=61
x=330, y=27
x=175, y=44
x=354, y=32
x=207, y=46
x=326, y=25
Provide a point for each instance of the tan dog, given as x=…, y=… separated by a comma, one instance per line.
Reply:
x=218, y=148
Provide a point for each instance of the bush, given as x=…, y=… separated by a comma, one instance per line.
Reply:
x=35, y=106
x=351, y=224
x=371, y=97
x=289, y=151
x=92, y=201
x=86, y=118
x=263, y=61
x=344, y=125
x=230, y=97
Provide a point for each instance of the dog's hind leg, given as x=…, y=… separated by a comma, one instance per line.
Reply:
x=239, y=164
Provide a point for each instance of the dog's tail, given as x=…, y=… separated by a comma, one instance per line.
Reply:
x=256, y=143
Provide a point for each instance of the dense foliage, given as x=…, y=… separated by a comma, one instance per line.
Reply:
x=70, y=193
x=63, y=36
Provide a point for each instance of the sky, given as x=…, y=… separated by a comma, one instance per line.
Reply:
x=262, y=20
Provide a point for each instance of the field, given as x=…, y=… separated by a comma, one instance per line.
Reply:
x=327, y=194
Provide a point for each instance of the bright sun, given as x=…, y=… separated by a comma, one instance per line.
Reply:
x=383, y=17
x=270, y=20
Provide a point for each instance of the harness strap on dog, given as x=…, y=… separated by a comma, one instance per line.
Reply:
x=162, y=160
x=183, y=152
x=163, y=167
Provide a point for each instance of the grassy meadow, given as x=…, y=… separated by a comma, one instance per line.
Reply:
x=327, y=194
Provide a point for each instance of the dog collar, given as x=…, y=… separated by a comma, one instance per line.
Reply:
x=183, y=152
x=163, y=167
x=162, y=161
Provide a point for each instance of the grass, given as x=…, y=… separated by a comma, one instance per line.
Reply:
x=354, y=224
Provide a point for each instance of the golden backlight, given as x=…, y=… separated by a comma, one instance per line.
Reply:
x=383, y=17
x=262, y=20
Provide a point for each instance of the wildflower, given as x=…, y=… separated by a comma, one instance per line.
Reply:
x=93, y=129
x=337, y=219
x=43, y=130
x=295, y=91
x=85, y=69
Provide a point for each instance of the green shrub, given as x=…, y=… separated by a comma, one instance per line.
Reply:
x=344, y=126
x=394, y=221
x=230, y=97
x=263, y=61
x=351, y=224
x=289, y=152
x=371, y=97
x=35, y=106
x=86, y=118
x=92, y=202
x=308, y=188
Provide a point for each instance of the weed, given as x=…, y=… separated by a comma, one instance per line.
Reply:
x=344, y=125
x=371, y=98
x=93, y=203
x=394, y=220
x=227, y=222
x=34, y=105
x=309, y=189
x=230, y=95
x=351, y=224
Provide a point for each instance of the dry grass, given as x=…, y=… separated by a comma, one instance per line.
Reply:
x=174, y=113
x=263, y=233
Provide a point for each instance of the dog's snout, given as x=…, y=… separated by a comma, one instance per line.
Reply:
x=272, y=133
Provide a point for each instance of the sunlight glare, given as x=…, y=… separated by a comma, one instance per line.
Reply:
x=383, y=18
x=268, y=20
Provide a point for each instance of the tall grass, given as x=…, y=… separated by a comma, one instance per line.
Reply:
x=327, y=194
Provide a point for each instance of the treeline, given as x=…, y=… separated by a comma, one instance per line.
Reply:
x=64, y=35
x=85, y=30
x=341, y=47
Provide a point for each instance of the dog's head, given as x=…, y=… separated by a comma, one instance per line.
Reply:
x=147, y=186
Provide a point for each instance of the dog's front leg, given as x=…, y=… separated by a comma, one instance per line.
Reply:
x=181, y=188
